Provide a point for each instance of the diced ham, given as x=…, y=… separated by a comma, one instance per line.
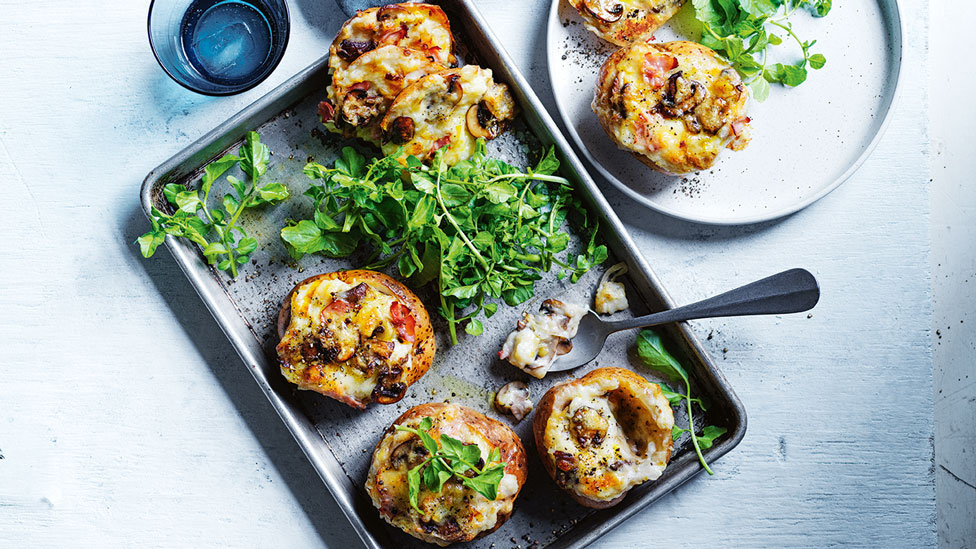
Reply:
x=739, y=125
x=403, y=321
x=394, y=36
x=656, y=67
x=644, y=135
x=326, y=111
x=440, y=143
x=339, y=306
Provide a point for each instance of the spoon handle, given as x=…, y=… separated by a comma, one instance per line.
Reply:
x=791, y=291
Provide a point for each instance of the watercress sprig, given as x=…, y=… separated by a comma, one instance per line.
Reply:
x=743, y=30
x=195, y=220
x=452, y=458
x=651, y=351
x=479, y=230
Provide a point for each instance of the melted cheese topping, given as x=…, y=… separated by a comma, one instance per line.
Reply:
x=539, y=339
x=421, y=27
x=514, y=398
x=635, y=21
x=344, y=353
x=456, y=513
x=633, y=449
x=438, y=112
x=611, y=296
x=677, y=127
x=371, y=83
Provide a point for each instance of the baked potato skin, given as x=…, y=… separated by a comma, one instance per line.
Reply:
x=636, y=22
x=422, y=27
x=543, y=411
x=546, y=407
x=673, y=128
x=425, y=345
x=453, y=420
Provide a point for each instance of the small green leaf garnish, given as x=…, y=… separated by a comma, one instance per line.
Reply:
x=196, y=221
x=451, y=458
x=480, y=230
x=743, y=30
x=651, y=351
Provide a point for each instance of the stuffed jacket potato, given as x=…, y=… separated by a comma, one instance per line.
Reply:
x=603, y=434
x=421, y=27
x=362, y=92
x=457, y=513
x=355, y=336
x=674, y=105
x=625, y=21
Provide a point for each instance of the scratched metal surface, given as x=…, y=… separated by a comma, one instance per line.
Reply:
x=468, y=373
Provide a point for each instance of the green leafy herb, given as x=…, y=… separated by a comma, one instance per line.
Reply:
x=452, y=458
x=651, y=350
x=196, y=221
x=480, y=230
x=743, y=30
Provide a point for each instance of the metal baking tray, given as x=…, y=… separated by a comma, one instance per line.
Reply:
x=339, y=440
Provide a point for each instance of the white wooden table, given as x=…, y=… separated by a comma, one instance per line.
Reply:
x=126, y=418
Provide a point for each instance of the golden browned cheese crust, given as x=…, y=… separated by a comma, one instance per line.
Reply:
x=603, y=434
x=625, y=21
x=362, y=91
x=674, y=105
x=449, y=109
x=421, y=27
x=355, y=336
x=457, y=513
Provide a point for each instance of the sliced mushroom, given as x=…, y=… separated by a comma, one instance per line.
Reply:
x=713, y=114
x=359, y=107
x=692, y=124
x=454, y=89
x=563, y=346
x=390, y=11
x=411, y=453
x=389, y=390
x=682, y=96
x=565, y=468
x=514, y=398
x=401, y=130
x=618, y=95
x=481, y=122
x=607, y=11
x=326, y=111
x=349, y=50
x=355, y=294
x=589, y=427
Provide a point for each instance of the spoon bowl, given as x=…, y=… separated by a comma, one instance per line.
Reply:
x=792, y=291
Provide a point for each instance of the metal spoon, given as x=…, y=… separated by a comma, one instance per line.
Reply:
x=791, y=291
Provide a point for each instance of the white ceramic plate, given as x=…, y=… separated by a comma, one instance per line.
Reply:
x=806, y=140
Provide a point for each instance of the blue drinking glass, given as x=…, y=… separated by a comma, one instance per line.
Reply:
x=218, y=47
